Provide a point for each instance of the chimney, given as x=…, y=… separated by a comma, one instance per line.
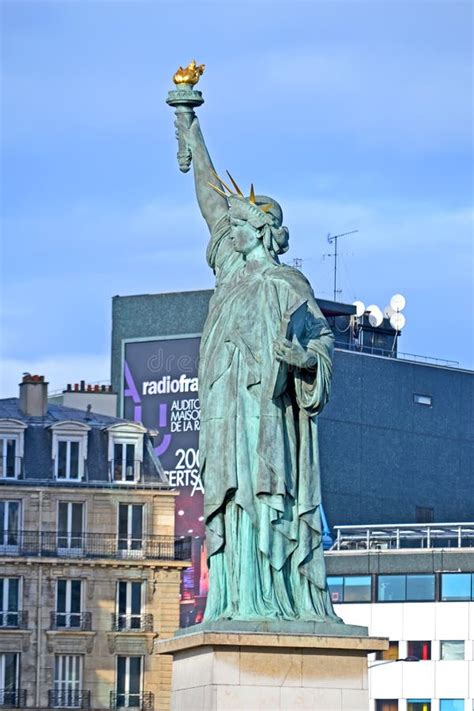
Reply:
x=33, y=395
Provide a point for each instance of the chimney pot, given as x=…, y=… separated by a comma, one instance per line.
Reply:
x=83, y=385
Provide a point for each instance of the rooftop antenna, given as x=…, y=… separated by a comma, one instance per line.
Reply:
x=331, y=239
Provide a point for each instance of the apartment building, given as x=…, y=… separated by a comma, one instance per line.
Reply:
x=414, y=584
x=90, y=565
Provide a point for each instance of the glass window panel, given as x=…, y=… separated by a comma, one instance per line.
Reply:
x=357, y=588
x=61, y=597
x=135, y=675
x=456, y=586
x=122, y=597
x=419, y=649
x=62, y=518
x=419, y=705
x=130, y=462
x=77, y=511
x=123, y=520
x=13, y=597
x=336, y=586
x=13, y=522
x=391, y=588
x=118, y=454
x=121, y=667
x=420, y=587
x=452, y=649
x=451, y=705
x=62, y=459
x=386, y=705
x=136, y=598
x=75, y=595
x=11, y=671
x=74, y=460
x=11, y=452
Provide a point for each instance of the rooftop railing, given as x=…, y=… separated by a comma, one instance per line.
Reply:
x=404, y=535
x=56, y=544
x=398, y=355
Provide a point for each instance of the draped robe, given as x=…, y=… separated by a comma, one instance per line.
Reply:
x=258, y=450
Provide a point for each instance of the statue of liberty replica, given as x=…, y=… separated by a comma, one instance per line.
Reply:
x=265, y=375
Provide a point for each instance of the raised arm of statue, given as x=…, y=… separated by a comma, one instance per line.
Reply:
x=212, y=205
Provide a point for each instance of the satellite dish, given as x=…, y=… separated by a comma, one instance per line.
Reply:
x=397, y=321
x=375, y=315
x=388, y=311
x=360, y=308
x=397, y=302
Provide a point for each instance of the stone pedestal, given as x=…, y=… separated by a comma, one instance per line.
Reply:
x=249, y=671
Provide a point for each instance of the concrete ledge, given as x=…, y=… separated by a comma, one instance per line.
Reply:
x=193, y=640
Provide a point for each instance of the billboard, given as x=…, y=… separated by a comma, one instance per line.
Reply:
x=160, y=389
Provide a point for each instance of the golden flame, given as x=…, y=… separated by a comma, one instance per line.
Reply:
x=190, y=74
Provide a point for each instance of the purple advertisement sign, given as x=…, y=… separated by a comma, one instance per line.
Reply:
x=161, y=390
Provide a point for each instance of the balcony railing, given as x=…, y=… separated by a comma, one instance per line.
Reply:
x=81, y=621
x=69, y=699
x=11, y=467
x=132, y=623
x=55, y=544
x=14, y=620
x=144, y=701
x=15, y=699
x=130, y=473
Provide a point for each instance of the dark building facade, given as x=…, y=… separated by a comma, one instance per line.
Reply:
x=397, y=438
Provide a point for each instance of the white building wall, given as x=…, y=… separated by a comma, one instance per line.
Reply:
x=426, y=621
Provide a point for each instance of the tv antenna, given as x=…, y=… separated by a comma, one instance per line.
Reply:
x=331, y=239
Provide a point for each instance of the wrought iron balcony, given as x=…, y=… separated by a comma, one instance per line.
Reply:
x=144, y=701
x=14, y=620
x=81, y=621
x=132, y=623
x=56, y=544
x=12, y=699
x=125, y=473
x=69, y=699
x=11, y=467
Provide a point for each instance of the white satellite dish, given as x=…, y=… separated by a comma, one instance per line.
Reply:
x=360, y=308
x=375, y=315
x=397, y=321
x=397, y=302
x=388, y=311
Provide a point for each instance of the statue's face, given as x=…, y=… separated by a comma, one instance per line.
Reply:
x=244, y=237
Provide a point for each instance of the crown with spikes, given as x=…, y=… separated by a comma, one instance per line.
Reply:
x=246, y=208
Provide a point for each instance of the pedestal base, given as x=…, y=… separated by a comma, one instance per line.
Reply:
x=245, y=671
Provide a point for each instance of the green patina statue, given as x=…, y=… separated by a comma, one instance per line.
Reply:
x=265, y=375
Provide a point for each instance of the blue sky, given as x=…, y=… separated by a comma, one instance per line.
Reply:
x=354, y=115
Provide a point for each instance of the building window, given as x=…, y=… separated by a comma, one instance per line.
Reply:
x=350, y=588
x=9, y=674
x=451, y=705
x=9, y=602
x=402, y=588
x=386, y=705
x=125, y=466
x=420, y=399
x=452, y=649
x=9, y=526
x=419, y=705
x=70, y=526
x=129, y=682
x=130, y=528
x=390, y=654
x=68, y=603
x=129, y=605
x=69, y=462
x=421, y=650
x=457, y=586
x=67, y=681
x=9, y=459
